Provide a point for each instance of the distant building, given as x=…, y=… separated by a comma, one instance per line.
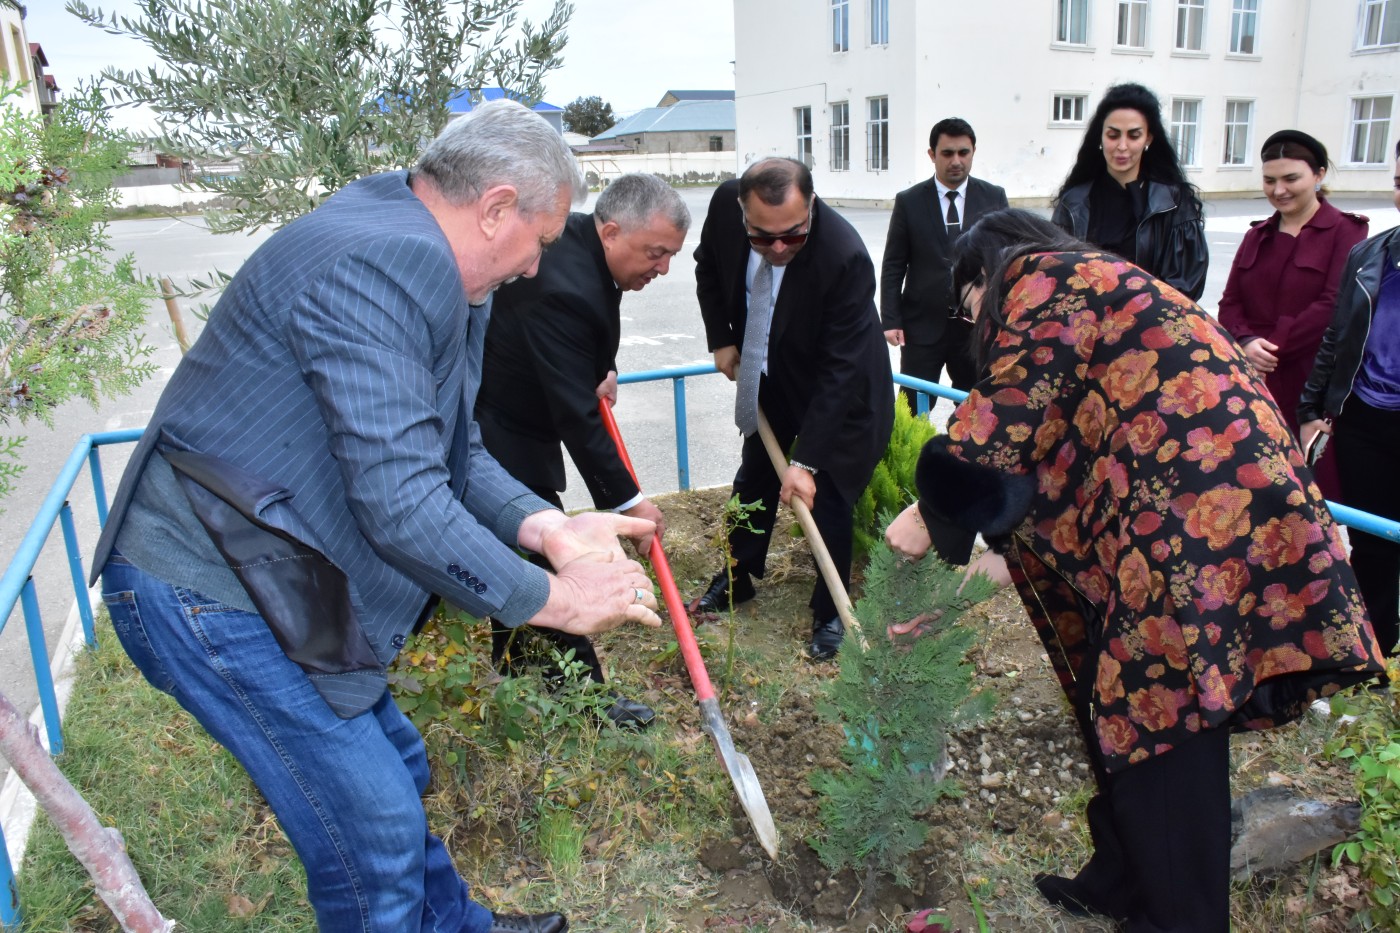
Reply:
x=855, y=85
x=685, y=126
x=44, y=84
x=675, y=97
x=460, y=104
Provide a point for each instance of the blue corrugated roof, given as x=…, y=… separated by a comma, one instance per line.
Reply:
x=461, y=102
x=692, y=115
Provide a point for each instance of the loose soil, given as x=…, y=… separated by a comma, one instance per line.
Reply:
x=1023, y=772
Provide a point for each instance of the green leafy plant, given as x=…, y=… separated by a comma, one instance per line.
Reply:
x=1371, y=744
x=891, y=486
x=736, y=515
x=896, y=701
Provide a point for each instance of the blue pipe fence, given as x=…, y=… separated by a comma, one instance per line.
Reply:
x=17, y=584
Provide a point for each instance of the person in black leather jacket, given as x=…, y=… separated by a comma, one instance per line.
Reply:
x=1131, y=197
x=1356, y=381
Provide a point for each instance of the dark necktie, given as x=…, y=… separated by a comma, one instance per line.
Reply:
x=755, y=342
x=954, y=221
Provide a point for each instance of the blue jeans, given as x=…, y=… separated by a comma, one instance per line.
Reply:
x=346, y=791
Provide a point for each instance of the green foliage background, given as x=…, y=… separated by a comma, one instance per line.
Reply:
x=891, y=486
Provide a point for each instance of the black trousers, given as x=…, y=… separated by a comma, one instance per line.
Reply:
x=757, y=480
x=927, y=360
x=512, y=649
x=1368, y=448
x=1161, y=833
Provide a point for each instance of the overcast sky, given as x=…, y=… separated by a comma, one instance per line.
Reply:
x=628, y=52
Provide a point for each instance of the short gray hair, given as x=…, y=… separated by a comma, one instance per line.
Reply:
x=503, y=143
x=633, y=200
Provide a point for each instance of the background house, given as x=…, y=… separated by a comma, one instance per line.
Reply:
x=685, y=126
x=17, y=64
x=460, y=104
x=856, y=85
x=674, y=97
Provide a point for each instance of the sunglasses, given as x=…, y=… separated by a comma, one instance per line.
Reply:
x=787, y=239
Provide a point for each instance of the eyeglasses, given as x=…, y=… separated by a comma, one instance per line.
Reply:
x=787, y=239
x=963, y=312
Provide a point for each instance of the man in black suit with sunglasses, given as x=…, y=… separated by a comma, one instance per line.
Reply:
x=787, y=288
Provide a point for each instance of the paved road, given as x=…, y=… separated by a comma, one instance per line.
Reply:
x=661, y=328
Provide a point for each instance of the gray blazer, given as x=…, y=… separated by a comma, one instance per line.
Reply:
x=321, y=435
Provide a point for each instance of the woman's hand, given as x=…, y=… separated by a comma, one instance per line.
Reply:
x=1309, y=430
x=1262, y=354
x=907, y=535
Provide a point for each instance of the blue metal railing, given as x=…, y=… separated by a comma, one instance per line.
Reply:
x=17, y=584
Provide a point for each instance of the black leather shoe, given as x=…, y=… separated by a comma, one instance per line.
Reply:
x=535, y=923
x=826, y=639
x=629, y=714
x=715, y=600
x=1077, y=899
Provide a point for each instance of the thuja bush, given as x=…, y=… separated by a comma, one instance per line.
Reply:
x=1371, y=744
x=896, y=700
x=891, y=486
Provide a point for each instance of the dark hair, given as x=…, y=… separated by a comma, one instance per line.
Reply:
x=953, y=127
x=988, y=249
x=1159, y=163
x=1292, y=151
x=772, y=178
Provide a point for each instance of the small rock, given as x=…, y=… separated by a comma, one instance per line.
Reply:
x=995, y=779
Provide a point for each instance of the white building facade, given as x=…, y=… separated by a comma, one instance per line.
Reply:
x=16, y=63
x=856, y=84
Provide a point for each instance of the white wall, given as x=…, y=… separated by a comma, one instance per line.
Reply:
x=995, y=64
x=161, y=196
x=14, y=59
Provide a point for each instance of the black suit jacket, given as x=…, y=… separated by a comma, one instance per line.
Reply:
x=552, y=339
x=828, y=381
x=916, y=276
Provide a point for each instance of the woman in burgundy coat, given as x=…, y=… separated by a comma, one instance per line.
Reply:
x=1283, y=283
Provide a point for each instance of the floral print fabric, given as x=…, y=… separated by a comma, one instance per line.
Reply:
x=1177, y=555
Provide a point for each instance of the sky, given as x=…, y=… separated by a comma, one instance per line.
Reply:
x=628, y=52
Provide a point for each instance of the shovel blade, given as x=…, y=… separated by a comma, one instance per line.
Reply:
x=742, y=775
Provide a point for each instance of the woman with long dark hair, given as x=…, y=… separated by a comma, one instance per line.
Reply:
x=1137, y=483
x=1283, y=282
x=1128, y=195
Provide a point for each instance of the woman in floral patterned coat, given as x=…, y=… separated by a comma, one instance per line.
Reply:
x=1127, y=464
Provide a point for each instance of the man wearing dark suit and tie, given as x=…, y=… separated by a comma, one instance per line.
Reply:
x=551, y=353
x=917, y=305
x=312, y=477
x=787, y=293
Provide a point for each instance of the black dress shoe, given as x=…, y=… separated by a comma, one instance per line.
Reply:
x=629, y=714
x=826, y=639
x=535, y=923
x=715, y=600
x=1076, y=898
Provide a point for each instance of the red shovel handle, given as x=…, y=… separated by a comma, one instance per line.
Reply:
x=680, y=621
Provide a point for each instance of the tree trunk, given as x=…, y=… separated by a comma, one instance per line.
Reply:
x=98, y=848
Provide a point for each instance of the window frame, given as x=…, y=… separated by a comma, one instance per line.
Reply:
x=1239, y=15
x=1246, y=159
x=840, y=26
x=1080, y=103
x=879, y=22
x=1191, y=159
x=877, y=134
x=1123, y=20
x=804, y=140
x=1389, y=14
x=1184, y=9
x=1072, y=17
x=1356, y=122
x=839, y=154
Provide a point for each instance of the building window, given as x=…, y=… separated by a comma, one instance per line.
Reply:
x=716, y=143
x=1190, y=25
x=1239, y=114
x=1186, y=130
x=1072, y=22
x=1380, y=24
x=840, y=25
x=804, y=134
x=879, y=22
x=877, y=135
x=1244, y=26
x=1370, y=125
x=1132, y=24
x=841, y=137
x=1068, y=108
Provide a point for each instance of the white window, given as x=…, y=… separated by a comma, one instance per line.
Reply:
x=1068, y=108
x=1072, y=22
x=1380, y=24
x=1132, y=24
x=841, y=137
x=840, y=25
x=1190, y=25
x=1186, y=130
x=1370, y=130
x=877, y=135
x=879, y=22
x=804, y=134
x=1239, y=114
x=1244, y=26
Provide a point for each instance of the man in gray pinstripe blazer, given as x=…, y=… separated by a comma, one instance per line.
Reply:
x=312, y=477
